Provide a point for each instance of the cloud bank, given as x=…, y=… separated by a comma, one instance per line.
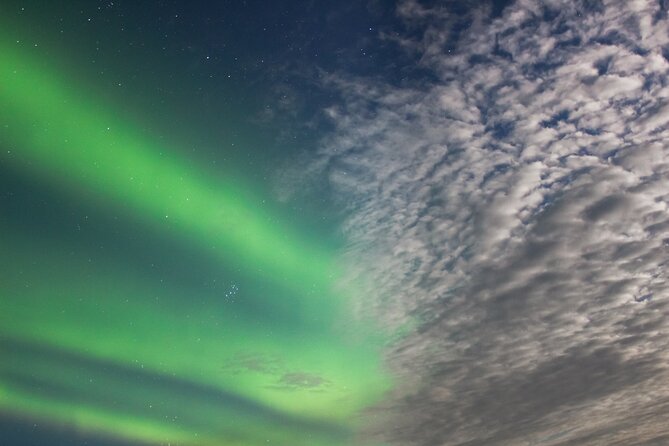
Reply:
x=511, y=207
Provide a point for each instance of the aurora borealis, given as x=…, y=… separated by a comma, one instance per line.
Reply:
x=250, y=345
x=317, y=223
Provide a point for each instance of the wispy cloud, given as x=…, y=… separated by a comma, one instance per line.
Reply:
x=513, y=203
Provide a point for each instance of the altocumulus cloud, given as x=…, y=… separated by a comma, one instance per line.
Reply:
x=511, y=207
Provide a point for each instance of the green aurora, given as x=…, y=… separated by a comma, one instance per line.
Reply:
x=97, y=346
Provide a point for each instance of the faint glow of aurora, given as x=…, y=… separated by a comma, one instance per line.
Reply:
x=71, y=142
x=76, y=143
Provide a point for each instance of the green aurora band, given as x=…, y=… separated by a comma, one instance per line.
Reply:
x=99, y=348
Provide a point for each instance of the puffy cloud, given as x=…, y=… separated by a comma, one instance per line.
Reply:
x=512, y=207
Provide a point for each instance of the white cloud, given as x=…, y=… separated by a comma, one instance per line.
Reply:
x=517, y=208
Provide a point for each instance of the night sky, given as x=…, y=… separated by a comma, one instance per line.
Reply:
x=317, y=223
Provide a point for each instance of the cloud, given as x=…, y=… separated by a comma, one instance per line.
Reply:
x=302, y=380
x=512, y=204
x=253, y=362
x=285, y=379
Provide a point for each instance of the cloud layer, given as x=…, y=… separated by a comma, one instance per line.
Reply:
x=511, y=207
